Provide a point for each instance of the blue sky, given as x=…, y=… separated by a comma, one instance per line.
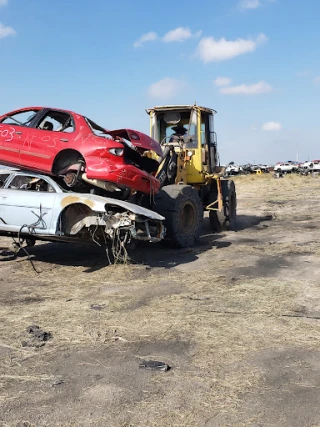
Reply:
x=256, y=62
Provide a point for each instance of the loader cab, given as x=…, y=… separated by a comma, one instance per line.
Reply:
x=196, y=125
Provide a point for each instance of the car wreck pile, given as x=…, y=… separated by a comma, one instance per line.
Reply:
x=73, y=180
x=233, y=170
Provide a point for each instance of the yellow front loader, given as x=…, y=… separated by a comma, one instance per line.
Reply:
x=190, y=175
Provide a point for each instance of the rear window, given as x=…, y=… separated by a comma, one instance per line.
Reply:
x=97, y=130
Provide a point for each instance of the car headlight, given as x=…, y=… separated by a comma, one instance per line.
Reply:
x=116, y=151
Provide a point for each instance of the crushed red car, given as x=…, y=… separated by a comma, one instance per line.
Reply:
x=72, y=147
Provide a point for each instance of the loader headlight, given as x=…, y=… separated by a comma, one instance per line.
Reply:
x=116, y=151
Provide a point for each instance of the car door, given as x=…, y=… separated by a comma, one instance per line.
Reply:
x=14, y=131
x=52, y=132
x=26, y=204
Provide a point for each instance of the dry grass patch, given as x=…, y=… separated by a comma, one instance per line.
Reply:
x=207, y=321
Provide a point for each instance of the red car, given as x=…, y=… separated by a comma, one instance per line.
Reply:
x=70, y=146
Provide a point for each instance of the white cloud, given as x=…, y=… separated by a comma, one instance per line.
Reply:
x=6, y=31
x=222, y=81
x=249, y=4
x=253, y=4
x=3, y=2
x=148, y=37
x=254, y=89
x=271, y=126
x=212, y=50
x=166, y=88
x=180, y=34
x=316, y=80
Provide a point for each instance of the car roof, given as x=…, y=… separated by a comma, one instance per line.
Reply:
x=39, y=107
x=7, y=169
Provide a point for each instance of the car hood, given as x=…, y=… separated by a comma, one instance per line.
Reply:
x=138, y=139
x=101, y=204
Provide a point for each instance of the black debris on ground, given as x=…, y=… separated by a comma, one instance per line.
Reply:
x=154, y=365
x=38, y=337
x=57, y=382
x=97, y=306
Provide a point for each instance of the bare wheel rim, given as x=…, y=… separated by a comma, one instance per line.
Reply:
x=187, y=217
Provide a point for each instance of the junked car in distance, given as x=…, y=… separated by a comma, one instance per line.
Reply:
x=35, y=207
x=285, y=167
x=309, y=167
x=81, y=153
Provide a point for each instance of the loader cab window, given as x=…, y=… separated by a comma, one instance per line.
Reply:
x=205, y=130
x=208, y=141
x=168, y=123
x=204, y=133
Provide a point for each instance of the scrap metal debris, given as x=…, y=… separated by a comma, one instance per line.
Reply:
x=38, y=337
x=97, y=306
x=57, y=382
x=154, y=365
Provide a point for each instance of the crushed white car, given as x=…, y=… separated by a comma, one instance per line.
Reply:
x=35, y=207
x=233, y=169
x=310, y=167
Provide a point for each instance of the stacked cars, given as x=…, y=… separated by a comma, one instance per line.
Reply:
x=67, y=162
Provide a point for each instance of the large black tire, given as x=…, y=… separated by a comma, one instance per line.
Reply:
x=183, y=210
x=229, y=204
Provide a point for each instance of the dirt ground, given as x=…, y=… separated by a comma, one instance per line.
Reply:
x=237, y=318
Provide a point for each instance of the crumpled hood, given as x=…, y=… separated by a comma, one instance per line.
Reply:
x=101, y=204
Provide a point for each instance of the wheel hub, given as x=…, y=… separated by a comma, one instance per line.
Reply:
x=70, y=179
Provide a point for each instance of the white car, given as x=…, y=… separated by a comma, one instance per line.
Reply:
x=35, y=207
x=233, y=170
x=284, y=167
